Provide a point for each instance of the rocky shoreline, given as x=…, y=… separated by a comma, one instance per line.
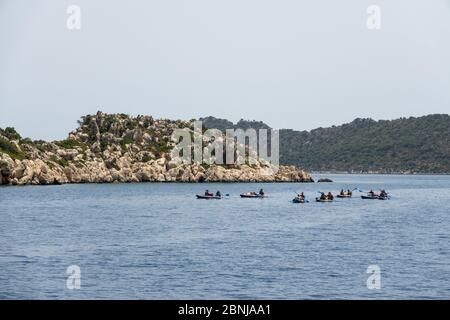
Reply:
x=117, y=148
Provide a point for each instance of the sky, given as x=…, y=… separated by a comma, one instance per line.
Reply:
x=292, y=64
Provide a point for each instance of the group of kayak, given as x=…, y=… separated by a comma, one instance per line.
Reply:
x=328, y=197
x=300, y=198
x=218, y=195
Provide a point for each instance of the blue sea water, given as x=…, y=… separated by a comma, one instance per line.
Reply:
x=156, y=241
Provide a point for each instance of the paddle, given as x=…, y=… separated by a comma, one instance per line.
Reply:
x=320, y=192
x=351, y=191
x=226, y=196
x=354, y=189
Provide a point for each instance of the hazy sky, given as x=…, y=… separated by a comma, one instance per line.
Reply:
x=291, y=63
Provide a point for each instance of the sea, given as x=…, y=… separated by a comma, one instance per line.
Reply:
x=157, y=241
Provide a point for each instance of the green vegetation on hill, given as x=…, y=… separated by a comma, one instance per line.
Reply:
x=6, y=146
x=10, y=149
x=402, y=145
x=10, y=133
x=70, y=144
x=223, y=124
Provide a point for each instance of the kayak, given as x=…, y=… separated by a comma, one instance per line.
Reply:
x=344, y=196
x=244, y=195
x=207, y=197
x=298, y=200
x=322, y=200
x=370, y=197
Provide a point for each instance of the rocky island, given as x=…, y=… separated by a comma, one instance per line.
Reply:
x=107, y=148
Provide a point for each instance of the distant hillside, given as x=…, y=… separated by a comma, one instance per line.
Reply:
x=419, y=145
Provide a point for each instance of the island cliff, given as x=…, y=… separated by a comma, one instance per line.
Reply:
x=108, y=148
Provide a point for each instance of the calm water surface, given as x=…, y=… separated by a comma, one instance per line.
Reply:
x=156, y=241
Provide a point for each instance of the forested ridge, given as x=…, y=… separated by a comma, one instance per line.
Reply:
x=410, y=145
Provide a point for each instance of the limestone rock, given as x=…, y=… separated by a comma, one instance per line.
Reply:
x=108, y=148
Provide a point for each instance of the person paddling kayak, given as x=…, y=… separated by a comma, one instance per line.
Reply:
x=300, y=198
x=328, y=196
